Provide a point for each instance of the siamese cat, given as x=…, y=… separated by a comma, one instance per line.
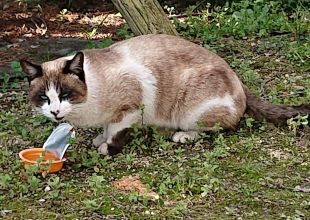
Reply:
x=177, y=82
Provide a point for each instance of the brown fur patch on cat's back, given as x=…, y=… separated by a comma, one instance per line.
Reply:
x=209, y=83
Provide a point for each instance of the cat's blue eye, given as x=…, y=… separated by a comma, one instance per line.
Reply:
x=64, y=95
x=43, y=97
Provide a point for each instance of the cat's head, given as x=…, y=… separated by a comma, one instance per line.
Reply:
x=56, y=86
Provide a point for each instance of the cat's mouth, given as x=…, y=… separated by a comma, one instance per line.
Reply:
x=59, y=118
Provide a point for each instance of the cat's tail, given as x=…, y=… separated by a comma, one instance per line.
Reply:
x=277, y=114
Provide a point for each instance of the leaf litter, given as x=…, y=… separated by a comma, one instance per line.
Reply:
x=134, y=184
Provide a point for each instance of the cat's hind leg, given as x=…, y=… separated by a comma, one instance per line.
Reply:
x=210, y=120
x=221, y=117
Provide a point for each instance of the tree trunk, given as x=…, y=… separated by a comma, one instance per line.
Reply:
x=145, y=16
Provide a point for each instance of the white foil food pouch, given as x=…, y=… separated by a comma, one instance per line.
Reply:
x=58, y=141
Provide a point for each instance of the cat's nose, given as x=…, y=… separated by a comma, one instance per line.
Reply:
x=55, y=113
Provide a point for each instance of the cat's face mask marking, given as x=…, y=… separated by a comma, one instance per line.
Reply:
x=56, y=102
x=55, y=88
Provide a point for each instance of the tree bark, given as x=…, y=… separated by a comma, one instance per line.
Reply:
x=145, y=17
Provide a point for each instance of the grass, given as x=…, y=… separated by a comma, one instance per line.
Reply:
x=251, y=173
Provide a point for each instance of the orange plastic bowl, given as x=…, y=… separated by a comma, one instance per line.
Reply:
x=46, y=160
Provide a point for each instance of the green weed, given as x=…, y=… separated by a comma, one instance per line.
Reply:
x=258, y=18
x=124, y=32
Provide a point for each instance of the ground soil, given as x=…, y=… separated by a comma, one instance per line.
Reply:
x=40, y=31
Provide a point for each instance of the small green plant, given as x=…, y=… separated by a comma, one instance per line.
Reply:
x=55, y=182
x=297, y=122
x=221, y=148
x=17, y=70
x=5, y=82
x=34, y=182
x=5, y=180
x=212, y=186
x=141, y=138
x=105, y=43
x=91, y=34
x=62, y=14
x=249, y=123
x=170, y=10
x=92, y=204
x=11, y=81
x=124, y=31
x=102, y=44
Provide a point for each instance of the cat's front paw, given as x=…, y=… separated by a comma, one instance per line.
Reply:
x=103, y=149
x=100, y=139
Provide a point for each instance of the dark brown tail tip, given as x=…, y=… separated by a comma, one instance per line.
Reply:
x=277, y=114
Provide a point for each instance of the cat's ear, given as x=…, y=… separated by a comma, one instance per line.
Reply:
x=32, y=70
x=75, y=66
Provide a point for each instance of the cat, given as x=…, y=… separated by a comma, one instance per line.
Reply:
x=178, y=83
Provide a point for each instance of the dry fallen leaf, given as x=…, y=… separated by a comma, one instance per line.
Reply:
x=133, y=184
